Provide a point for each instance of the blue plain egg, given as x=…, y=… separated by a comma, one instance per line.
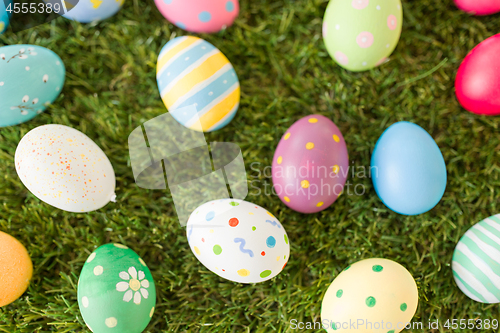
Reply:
x=408, y=170
x=31, y=77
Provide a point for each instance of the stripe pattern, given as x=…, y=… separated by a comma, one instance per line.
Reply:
x=476, y=261
x=192, y=72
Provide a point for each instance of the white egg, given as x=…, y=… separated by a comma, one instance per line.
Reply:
x=65, y=168
x=370, y=296
x=238, y=240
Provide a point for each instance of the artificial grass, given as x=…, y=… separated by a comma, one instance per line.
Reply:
x=285, y=73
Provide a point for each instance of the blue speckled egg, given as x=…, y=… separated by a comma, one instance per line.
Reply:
x=4, y=15
x=408, y=170
x=87, y=11
x=31, y=77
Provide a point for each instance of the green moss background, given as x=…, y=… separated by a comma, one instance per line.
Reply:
x=285, y=73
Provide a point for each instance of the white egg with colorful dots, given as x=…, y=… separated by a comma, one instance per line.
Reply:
x=370, y=296
x=238, y=240
x=65, y=168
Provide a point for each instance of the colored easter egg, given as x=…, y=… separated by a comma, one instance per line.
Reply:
x=360, y=34
x=193, y=72
x=407, y=169
x=65, y=168
x=310, y=165
x=476, y=261
x=87, y=11
x=238, y=240
x=376, y=291
x=31, y=77
x=200, y=16
x=377, y=295
x=477, y=84
x=479, y=7
x=116, y=291
x=16, y=268
x=4, y=14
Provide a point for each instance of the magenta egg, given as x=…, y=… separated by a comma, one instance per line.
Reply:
x=310, y=165
x=477, y=84
x=200, y=16
x=479, y=7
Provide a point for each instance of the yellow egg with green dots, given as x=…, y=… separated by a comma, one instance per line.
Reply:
x=370, y=296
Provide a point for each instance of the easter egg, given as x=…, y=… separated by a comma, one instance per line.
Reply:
x=360, y=34
x=15, y=267
x=4, y=15
x=310, y=164
x=200, y=16
x=477, y=84
x=476, y=261
x=31, y=77
x=87, y=11
x=193, y=72
x=479, y=7
x=65, y=168
x=370, y=296
x=238, y=240
x=116, y=291
x=408, y=170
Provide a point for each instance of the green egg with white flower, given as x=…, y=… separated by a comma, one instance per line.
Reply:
x=116, y=291
x=361, y=34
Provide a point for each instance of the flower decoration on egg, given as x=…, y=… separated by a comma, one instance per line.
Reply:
x=32, y=78
x=135, y=285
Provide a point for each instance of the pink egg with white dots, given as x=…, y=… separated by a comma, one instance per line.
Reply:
x=200, y=16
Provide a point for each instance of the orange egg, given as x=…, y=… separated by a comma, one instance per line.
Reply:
x=16, y=268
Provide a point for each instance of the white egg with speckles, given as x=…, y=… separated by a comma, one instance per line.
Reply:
x=65, y=168
x=238, y=240
x=377, y=295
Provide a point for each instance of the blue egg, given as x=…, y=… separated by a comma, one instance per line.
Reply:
x=4, y=15
x=408, y=170
x=87, y=11
x=31, y=77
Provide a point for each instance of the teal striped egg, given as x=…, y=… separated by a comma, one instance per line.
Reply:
x=31, y=77
x=476, y=261
x=193, y=74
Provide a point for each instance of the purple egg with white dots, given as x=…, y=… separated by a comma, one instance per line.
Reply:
x=238, y=240
x=200, y=16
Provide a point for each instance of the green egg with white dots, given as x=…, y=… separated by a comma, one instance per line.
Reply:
x=377, y=295
x=361, y=34
x=116, y=291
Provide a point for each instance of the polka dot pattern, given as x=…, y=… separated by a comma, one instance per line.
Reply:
x=359, y=33
x=247, y=241
x=127, y=284
x=200, y=16
x=300, y=183
x=377, y=290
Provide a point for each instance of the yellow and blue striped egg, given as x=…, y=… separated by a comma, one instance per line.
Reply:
x=191, y=72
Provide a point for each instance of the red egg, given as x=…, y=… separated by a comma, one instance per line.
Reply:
x=479, y=7
x=477, y=85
